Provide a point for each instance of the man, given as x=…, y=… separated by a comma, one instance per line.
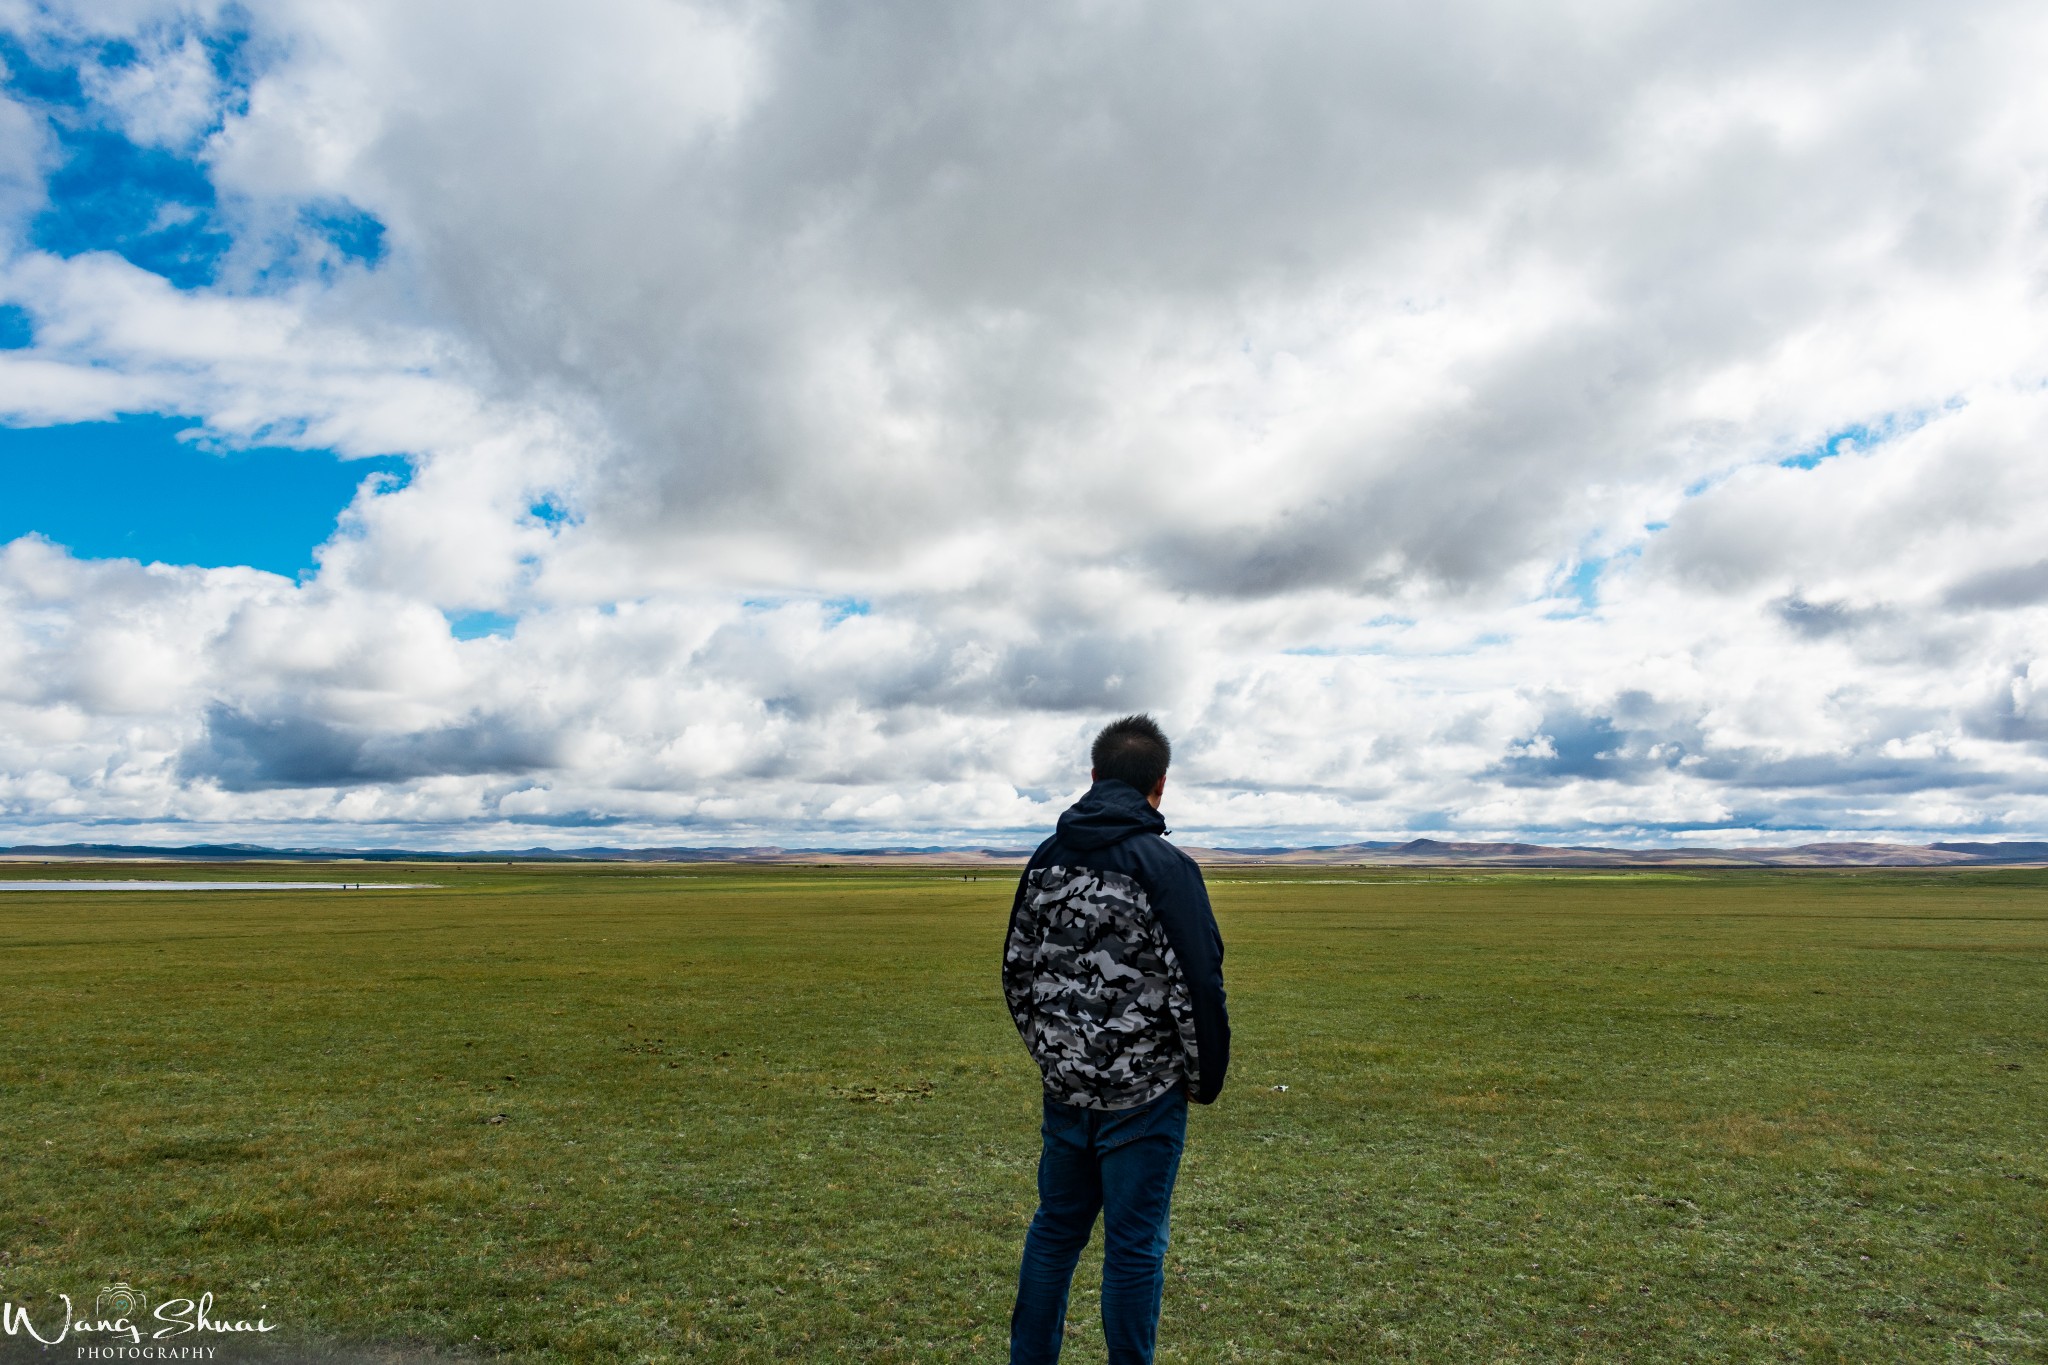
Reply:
x=1113, y=970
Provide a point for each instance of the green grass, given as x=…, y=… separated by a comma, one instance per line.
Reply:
x=775, y=1113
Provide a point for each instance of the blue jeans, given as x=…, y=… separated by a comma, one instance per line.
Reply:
x=1120, y=1163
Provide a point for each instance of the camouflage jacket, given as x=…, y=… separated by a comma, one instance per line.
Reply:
x=1113, y=968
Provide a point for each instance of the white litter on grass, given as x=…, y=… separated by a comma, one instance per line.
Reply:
x=216, y=886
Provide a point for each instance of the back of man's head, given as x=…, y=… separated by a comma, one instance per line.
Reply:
x=1133, y=750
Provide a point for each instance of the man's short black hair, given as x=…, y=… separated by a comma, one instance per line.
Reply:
x=1132, y=750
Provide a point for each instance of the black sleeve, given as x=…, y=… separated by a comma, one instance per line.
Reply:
x=1016, y=969
x=1181, y=901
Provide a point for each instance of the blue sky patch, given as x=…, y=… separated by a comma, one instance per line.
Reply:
x=475, y=625
x=355, y=234
x=1863, y=435
x=1581, y=586
x=838, y=609
x=1849, y=438
x=54, y=85
x=154, y=209
x=17, y=328
x=553, y=513
x=1583, y=582
x=1579, y=581
x=157, y=207
x=132, y=489
x=234, y=58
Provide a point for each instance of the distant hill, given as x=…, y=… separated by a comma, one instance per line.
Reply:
x=1999, y=853
x=1438, y=852
x=1415, y=852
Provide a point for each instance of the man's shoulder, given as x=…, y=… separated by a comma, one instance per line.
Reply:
x=1160, y=867
x=1158, y=846
x=1141, y=844
x=1144, y=856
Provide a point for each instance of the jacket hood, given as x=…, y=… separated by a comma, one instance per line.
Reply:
x=1110, y=812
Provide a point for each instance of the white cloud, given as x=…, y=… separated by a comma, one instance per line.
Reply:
x=166, y=97
x=920, y=393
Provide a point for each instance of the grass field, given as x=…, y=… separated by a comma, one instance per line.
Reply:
x=732, y=1113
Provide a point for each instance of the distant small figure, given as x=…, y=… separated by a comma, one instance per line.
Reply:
x=1113, y=970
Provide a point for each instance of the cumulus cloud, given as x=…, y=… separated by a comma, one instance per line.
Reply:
x=1491, y=418
x=243, y=752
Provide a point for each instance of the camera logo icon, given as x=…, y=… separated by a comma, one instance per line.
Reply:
x=117, y=1300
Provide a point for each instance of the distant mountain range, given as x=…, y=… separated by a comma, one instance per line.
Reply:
x=1415, y=852
x=1433, y=852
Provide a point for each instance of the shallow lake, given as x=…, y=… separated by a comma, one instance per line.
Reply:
x=213, y=886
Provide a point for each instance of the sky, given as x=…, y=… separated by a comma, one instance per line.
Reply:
x=506, y=424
